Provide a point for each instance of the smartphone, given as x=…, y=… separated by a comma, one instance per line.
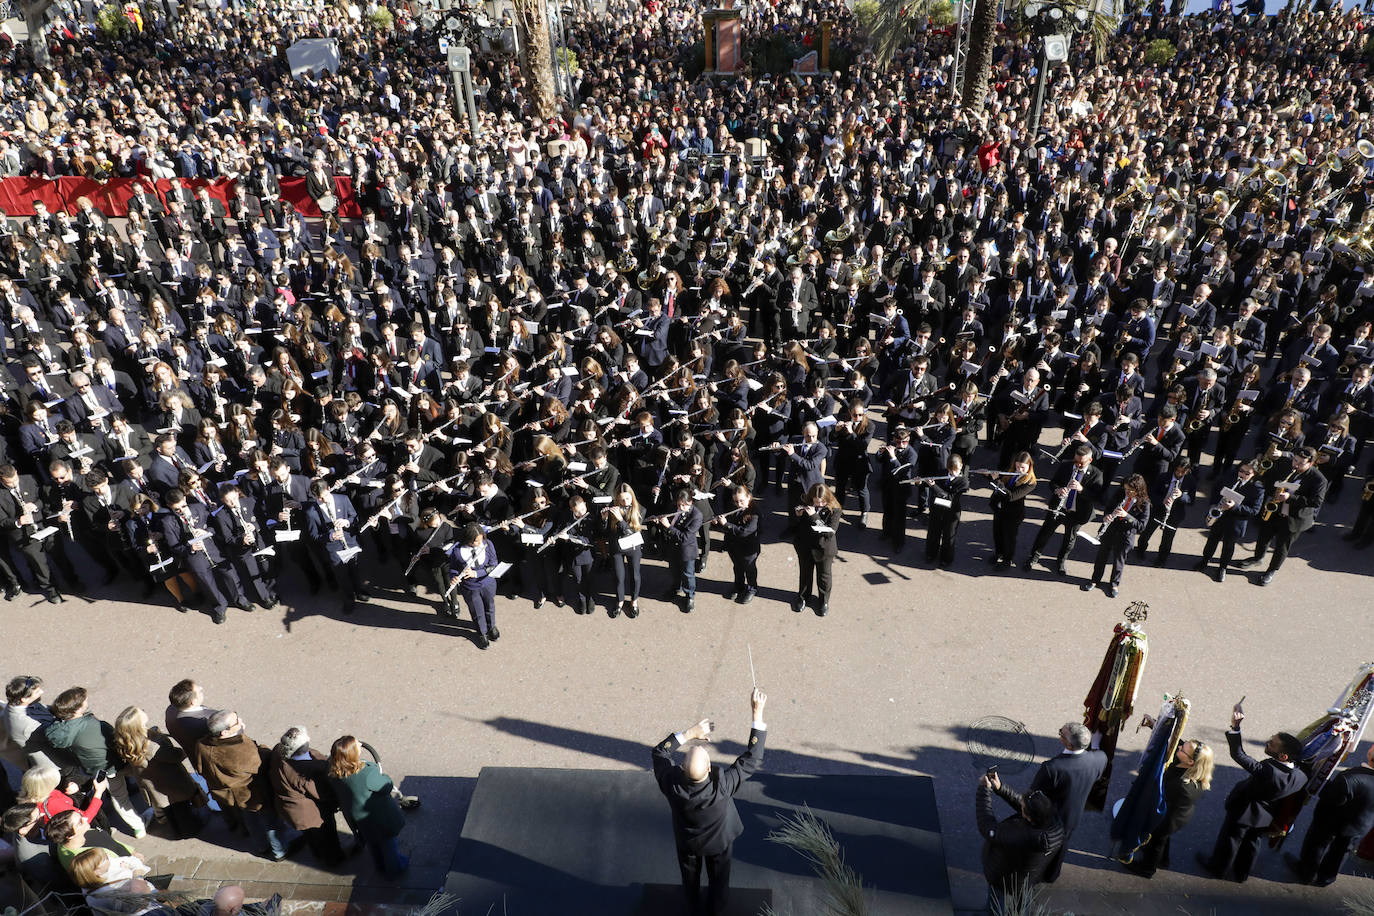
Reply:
x=991, y=771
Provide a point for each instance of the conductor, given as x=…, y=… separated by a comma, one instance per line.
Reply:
x=702, y=799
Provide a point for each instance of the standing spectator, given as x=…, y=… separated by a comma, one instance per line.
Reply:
x=1185, y=779
x=79, y=740
x=1019, y=850
x=366, y=797
x=161, y=770
x=186, y=718
x=303, y=799
x=232, y=764
x=1344, y=813
x=1253, y=801
x=23, y=715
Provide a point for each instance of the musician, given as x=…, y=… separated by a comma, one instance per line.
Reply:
x=1077, y=487
x=186, y=536
x=329, y=522
x=1206, y=401
x=623, y=529
x=102, y=515
x=1292, y=509
x=932, y=451
x=1335, y=453
x=1118, y=533
x=796, y=301
x=1092, y=432
x=1229, y=518
x=1160, y=446
x=1296, y=394
x=1170, y=496
x=906, y=393
x=741, y=527
x=471, y=564
x=850, y=439
x=806, y=464
x=1235, y=425
x=651, y=337
x=946, y=507
x=814, y=540
x=19, y=520
x=1021, y=411
x=281, y=500
x=680, y=529
x=1008, y=503
x=59, y=501
x=237, y=535
x=897, y=463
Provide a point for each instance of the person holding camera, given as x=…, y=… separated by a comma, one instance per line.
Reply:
x=702, y=799
x=1020, y=849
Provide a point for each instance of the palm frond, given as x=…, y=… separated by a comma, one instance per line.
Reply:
x=808, y=836
x=1025, y=899
x=896, y=22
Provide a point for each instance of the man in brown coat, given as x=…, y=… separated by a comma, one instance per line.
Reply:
x=233, y=767
x=297, y=772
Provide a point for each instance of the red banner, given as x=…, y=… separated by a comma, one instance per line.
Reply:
x=17, y=195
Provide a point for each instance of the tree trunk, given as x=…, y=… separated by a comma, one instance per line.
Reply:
x=35, y=14
x=982, y=35
x=538, y=66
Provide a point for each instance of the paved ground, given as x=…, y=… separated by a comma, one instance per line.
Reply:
x=908, y=658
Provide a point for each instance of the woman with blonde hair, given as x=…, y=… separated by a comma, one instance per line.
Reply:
x=42, y=786
x=1188, y=775
x=113, y=886
x=367, y=798
x=161, y=769
x=623, y=524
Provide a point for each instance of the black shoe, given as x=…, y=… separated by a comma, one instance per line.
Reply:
x=538, y=603
x=1087, y=586
x=823, y=609
x=363, y=595
x=558, y=602
x=1206, y=865
x=632, y=611
x=1266, y=578
x=1031, y=561
x=482, y=642
x=730, y=595
x=1111, y=591
x=52, y=596
x=690, y=606
x=493, y=634
x=614, y=611
x=748, y=596
x=182, y=609
x=12, y=592
x=1061, y=570
x=246, y=607
x=1221, y=574
x=798, y=605
x=218, y=618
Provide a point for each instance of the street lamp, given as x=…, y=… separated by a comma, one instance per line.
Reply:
x=1054, y=24
x=459, y=26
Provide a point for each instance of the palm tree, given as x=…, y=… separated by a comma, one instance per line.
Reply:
x=898, y=20
x=534, y=26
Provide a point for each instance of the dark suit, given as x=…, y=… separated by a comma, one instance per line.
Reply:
x=1066, y=781
x=21, y=537
x=705, y=822
x=1344, y=813
x=1296, y=514
x=683, y=550
x=202, y=560
x=1250, y=808
x=1078, y=509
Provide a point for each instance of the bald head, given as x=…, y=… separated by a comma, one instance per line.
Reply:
x=228, y=901
x=697, y=765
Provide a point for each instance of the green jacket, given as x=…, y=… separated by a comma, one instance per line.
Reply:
x=365, y=798
x=86, y=739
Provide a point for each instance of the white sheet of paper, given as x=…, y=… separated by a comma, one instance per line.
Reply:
x=349, y=553
x=285, y=536
x=43, y=533
x=532, y=538
x=631, y=541
x=500, y=570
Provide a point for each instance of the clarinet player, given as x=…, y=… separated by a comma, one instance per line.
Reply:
x=1120, y=527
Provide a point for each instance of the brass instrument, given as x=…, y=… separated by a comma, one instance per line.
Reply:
x=650, y=276
x=1296, y=156
x=1195, y=425
x=1271, y=454
x=1213, y=514
x=838, y=236
x=1365, y=148
x=1234, y=415
x=1368, y=492
x=626, y=262
x=1274, y=178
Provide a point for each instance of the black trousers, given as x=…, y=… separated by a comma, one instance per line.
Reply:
x=1236, y=846
x=1323, y=854
x=1277, y=533
x=1223, y=536
x=895, y=498
x=626, y=565
x=746, y=569
x=1111, y=552
x=1005, y=525
x=944, y=525
x=809, y=568
x=1052, y=522
x=857, y=478
x=717, y=871
x=37, y=559
x=253, y=580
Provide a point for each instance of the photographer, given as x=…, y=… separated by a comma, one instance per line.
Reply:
x=1018, y=850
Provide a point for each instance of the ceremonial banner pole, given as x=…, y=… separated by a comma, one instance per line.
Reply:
x=1140, y=813
x=1112, y=697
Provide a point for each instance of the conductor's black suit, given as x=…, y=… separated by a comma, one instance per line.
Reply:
x=705, y=822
